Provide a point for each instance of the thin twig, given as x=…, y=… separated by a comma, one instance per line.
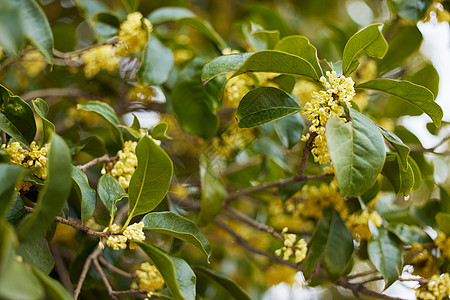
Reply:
x=349, y=277
x=80, y=51
x=370, y=280
x=115, y=269
x=104, y=158
x=68, y=92
x=128, y=292
x=61, y=269
x=358, y=289
x=306, y=150
x=104, y=279
x=85, y=270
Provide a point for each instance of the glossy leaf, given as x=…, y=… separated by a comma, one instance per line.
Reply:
x=226, y=283
x=106, y=112
x=416, y=172
x=53, y=289
x=357, y=152
x=385, y=254
x=151, y=180
x=222, y=65
x=106, y=24
x=300, y=46
x=410, y=234
x=263, y=105
x=368, y=39
x=86, y=194
x=55, y=192
x=412, y=10
x=331, y=244
x=443, y=221
x=213, y=192
x=178, y=275
x=37, y=253
x=11, y=130
x=289, y=129
x=177, y=226
x=399, y=146
x=417, y=95
x=41, y=108
x=159, y=132
x=9, y=177
x=401, y=181
x=157, y=63
x=110, y=192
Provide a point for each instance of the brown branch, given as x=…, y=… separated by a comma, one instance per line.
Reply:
x=104, y=158
x=358, y=289
x=128, y=292
x=104, y=279
x=80, y=51
x=68, y=92
x=84, y=271
x=115, y=269
x=306, y=150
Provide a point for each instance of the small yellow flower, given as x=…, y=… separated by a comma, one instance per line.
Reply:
x=437, y=288
x=292, y=246
x=125, y=166
x=119, y=241
x=358, y=223
x=443, y=243
x=134, y=232
x=149, y=278
x=33, y=63
x=133, y=35
x=99, y=58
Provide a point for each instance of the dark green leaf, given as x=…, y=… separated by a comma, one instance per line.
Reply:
x=12, y=131
x=264, y=105
x=55, y=192
x=229, y=285
x=300, y=46
x=151, y=180
x=426, y=214
x=159, y=132
x=331, y=244
x=417, y=95
x=289, y=130
x=9, y=177
x=37, y=253
x=401, y=181
x=131, y=5
x=91, y=145
x=412, y=10
x=213, y=192
x=410, y=234
x=41, y=108
x=357, y=152
x=385, y=254
x=222, y=65
x=445, y=200
x=110, y=192
x=87, y=195
x=177, y=226
x=399, y=146
x=176, y=272
x=286, y=192
x=106, y=24
x=53, y=289
x=443, y=221
x=157, y=63
x=368, y=39
x=17, y=211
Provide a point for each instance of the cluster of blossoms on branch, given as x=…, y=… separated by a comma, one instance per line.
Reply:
x=358, y=223
x=149, y=278
x=118, y=240
x=125, y=166
x=292, y=245
x=437, y=288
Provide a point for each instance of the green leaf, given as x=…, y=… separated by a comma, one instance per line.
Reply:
x=263, y=105
x=417, y=95
x=176, y=272
x=159, y=132
x=445, y=199
x=223, y=65
x=37, y=28
x=213, y=192
x=131, y=5
x=206, y=28
x=385, y=254
x=226, y=283
x=300, y=46
x=289, y=129
x=53, y=289
x=412, y=10
x=331, y=244
x=357, y=152
x=11, y=30
x=278, y=62
x=272, y=150
x=9, y=177
x=106, y=112
x=106, y=24
x=264, y=39
x=401, y=181
x=410, y=234
x=55, y=192
x=87, y=195
x=443, y=221
x=157, y=63
x=41, y=108
x=110, y=192
x=177, y=226
x=368, y=39
x=416, y=172
x=12, y=131
x=91, y=145
x=151, y=180
x=401, y=149
x=90, y=7
x=37, y=253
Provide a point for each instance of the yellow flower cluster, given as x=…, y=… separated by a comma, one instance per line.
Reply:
x=149, y=278
x=133, y=34
x=422, y=261
x=141, y=93
x=323, y=105
x=98, y=59
x=292, y=246
x=125, y=166
x=443, y=243
x=133, y=232
x=231, y=141
x=358, y=223
x=437, y=288
x=36, y=159
x=33, y=63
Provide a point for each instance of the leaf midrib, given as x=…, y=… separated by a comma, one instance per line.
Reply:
x=142, y=185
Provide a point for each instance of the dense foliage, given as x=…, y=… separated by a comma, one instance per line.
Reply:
x=153, y=149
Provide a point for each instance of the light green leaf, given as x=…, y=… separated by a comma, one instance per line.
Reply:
x=131, y=5
x=410, y=234
x=176, y=272
x=90, y=7
x=157, y=63
x=289, y=130
x=416, y=172
x=385, y=254
x=206, y=28
x=55, y=192
x=11, y=30
x=226, y=283
x=41, y=108
x=37, y=253
x=368, y=39
x=417, y=95
x=151, y=180
x=401, y=181
x=177, y=226
x=331, y=244
x=222, y=65
x=53, y=289
x=399, y=146
x=264, y=105
x=159, y=132
x=9, y=177
x=300, y=46
x=106, y=24
x=278, y=62
x=87, y=195
x=107, y=113
x=110, y=192
x=443, y=221
x=357, y=152
x=213, y=192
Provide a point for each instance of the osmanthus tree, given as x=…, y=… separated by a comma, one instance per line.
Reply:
x=265, y=156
